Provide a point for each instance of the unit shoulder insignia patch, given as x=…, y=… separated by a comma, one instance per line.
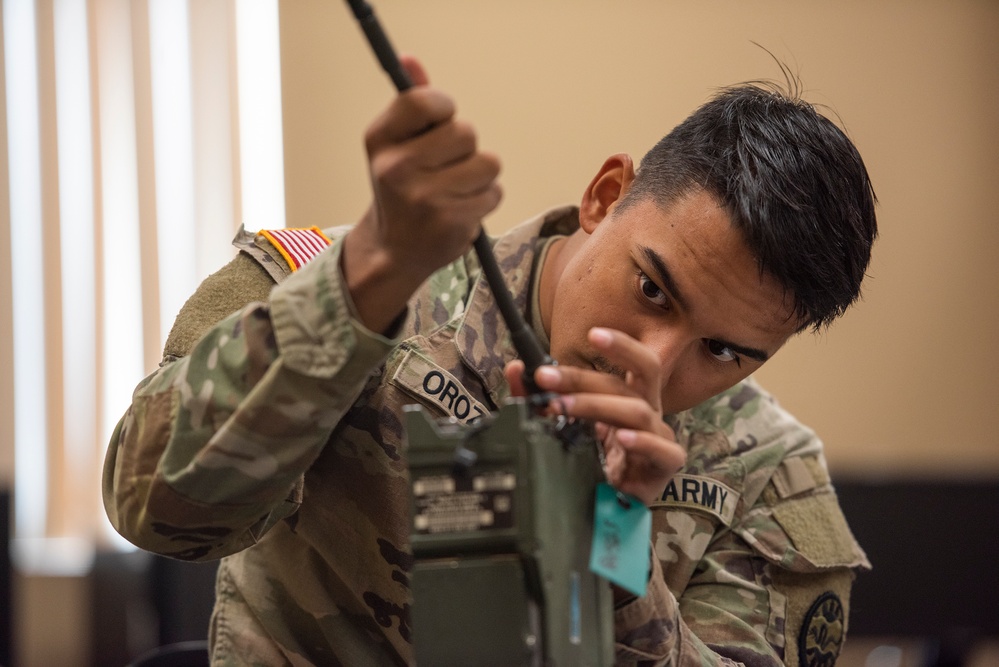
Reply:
x=822, y=632
x=297, y=245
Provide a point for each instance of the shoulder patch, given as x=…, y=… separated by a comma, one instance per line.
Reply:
x=697, y=492
x=822, y=632
x=297, y=245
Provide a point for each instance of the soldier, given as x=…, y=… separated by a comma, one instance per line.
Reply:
x=271, y=437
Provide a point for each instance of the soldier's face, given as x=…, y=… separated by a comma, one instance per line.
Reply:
x=683, y=282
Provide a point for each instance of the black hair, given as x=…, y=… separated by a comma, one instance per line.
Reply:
x=791, y=180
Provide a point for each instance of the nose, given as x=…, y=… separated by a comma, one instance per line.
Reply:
x=669, y=346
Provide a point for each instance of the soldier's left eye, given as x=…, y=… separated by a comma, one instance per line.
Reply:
x=722, y=352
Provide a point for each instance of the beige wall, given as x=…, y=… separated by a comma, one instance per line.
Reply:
x=907, y=381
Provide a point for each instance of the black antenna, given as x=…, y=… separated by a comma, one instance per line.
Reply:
x=524, y=340
x=380, y=44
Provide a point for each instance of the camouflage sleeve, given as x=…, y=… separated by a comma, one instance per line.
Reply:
x=211, y=452
x=764, y=580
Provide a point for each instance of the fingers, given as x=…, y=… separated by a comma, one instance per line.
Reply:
x=421, y=154
x=432, y=185
x=412, y=112
x=641, y=464
x=408, y=176
x=641, y=452
x=621, y=397
x=642, y=370
x=625, y=367
x=409, y=115
x=413, y=67
x=464, y=173
x=457, y=196
x=514, y=374
x=570, y=380
x=630, y=412
x=444, y=144
x=662, y=455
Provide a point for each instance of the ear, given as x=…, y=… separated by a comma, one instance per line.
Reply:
x=605, y=190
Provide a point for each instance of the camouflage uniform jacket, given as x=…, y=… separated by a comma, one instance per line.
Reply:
x=270, y=437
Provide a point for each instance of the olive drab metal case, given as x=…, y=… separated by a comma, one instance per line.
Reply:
x=502, y=544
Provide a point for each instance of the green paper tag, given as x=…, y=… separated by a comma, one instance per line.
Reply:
x=621, y=536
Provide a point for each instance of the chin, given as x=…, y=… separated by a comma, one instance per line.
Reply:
x=672, y=408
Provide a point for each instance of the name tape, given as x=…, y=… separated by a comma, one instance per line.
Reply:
x=701, y=493
x=432, y=384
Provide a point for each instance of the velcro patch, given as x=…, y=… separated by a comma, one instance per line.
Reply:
x=696, y=492
x=819, y=531
x=432, y=384
x=297, y=245
x=822, y=632
x=793, y=477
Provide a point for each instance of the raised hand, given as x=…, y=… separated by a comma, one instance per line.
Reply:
x=431, y=188
x=625, y=406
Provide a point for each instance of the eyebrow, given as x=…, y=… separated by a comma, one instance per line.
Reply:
x=669, y=285
x=664, y=276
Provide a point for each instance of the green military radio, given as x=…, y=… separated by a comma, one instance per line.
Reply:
x=501, y=533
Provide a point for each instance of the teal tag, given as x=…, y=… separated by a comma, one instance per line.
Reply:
x=621, y=535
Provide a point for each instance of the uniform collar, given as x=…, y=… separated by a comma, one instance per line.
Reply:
x=483, y=339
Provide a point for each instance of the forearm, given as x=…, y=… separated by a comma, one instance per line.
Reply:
x=213, y=445
x=651, y=632
x=646, y=628
x=172, y=481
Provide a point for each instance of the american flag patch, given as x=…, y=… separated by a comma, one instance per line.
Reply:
x=297, y=245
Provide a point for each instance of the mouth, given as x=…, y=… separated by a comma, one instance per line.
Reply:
x=603, y=365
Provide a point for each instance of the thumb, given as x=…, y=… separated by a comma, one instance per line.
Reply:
x=514, y=374
x=415, y=70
